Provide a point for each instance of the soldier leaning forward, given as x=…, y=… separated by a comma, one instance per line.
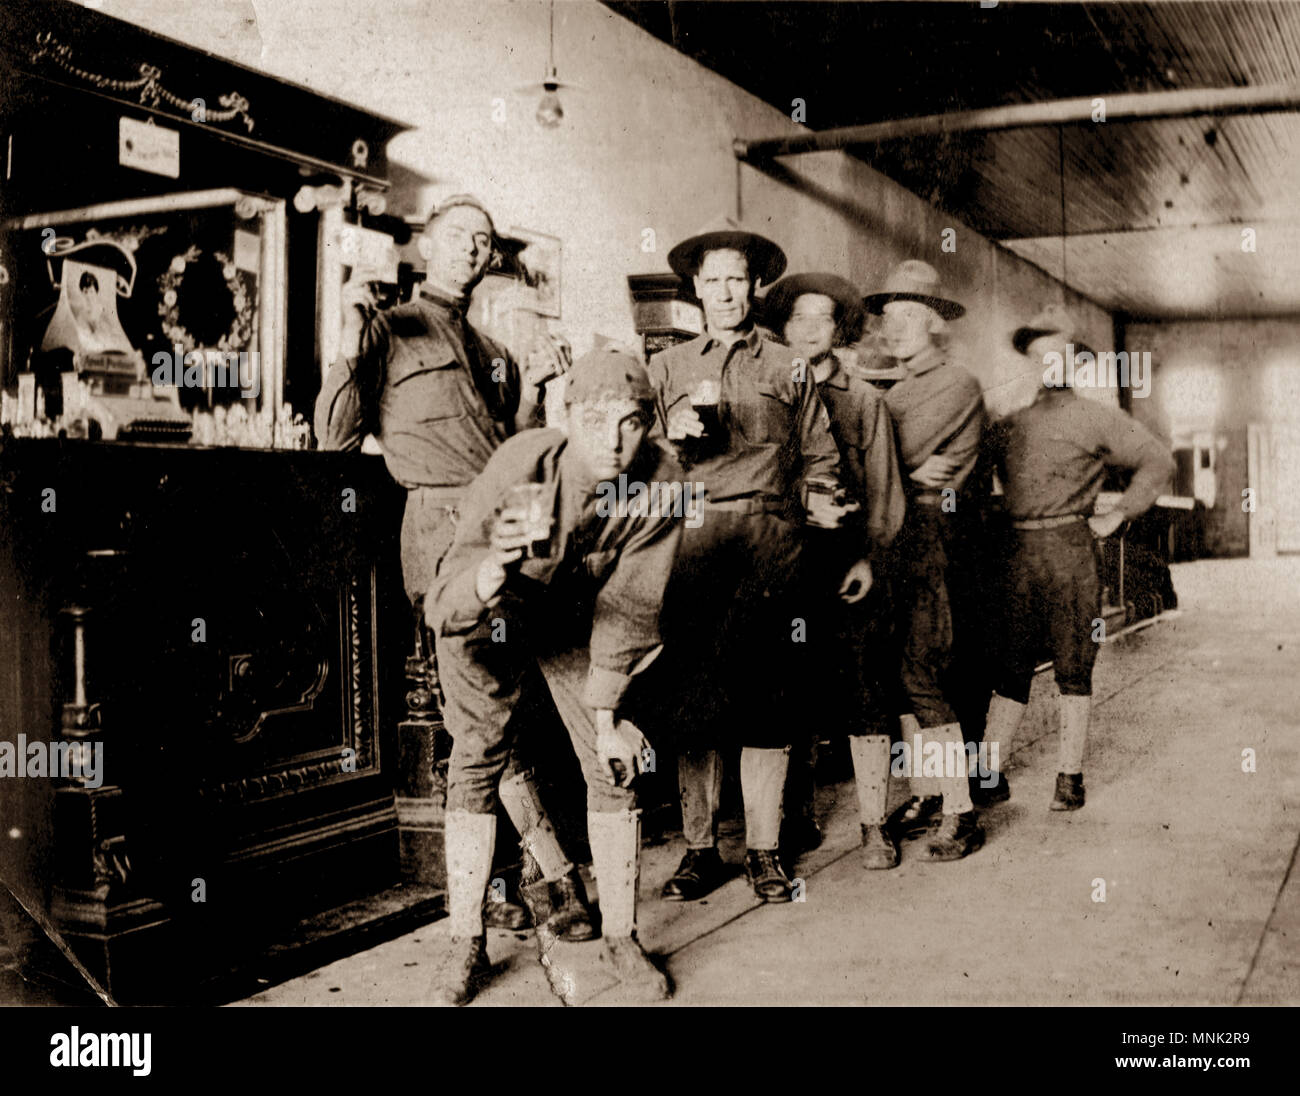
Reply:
x=544, y=572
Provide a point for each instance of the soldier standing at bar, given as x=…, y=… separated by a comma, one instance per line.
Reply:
x=440, y=397
x=938, y=413
x=749, y=427
x=1051, y=458
x=540, y=574
x=852, y=661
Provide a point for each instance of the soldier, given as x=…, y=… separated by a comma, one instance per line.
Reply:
x=938, y=413
x=751, y=429
x=440, y=397
x=1051, y=458
x=818, y=313
x=558, y=582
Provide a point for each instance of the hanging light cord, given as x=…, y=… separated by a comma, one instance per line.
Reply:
x=1060, y=155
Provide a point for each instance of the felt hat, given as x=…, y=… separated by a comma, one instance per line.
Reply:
x=780, y=300
x=914, y=280
x=1055, y=319
x=766, y=259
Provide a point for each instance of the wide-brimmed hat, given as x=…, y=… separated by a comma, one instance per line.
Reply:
x=766, y=259
x=1055, y=319
x=780, y=300
x=914, y=280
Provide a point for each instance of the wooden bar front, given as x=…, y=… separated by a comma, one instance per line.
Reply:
x=240, y=619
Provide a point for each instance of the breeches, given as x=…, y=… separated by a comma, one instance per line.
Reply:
x=851, y=664
x=481, y=678
x=735, y=642
x=926, y=578
x=1052, y=602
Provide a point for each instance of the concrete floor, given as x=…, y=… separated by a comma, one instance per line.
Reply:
x=1202, y=897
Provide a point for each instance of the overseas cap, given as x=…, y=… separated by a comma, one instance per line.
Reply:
x=454, y=200
x=608, y=373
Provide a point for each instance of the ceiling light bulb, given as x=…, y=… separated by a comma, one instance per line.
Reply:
x=549, y=111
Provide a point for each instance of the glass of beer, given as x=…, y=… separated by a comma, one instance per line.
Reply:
x=540, y=363
x=528, y=501
x=704, y=402
x=822, y=495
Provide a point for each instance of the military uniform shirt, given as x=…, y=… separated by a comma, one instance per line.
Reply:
x=446, y=396
x=937, y=407
x=1052, y=457
x=602, y=582
x=777, y=429
x=864, y=432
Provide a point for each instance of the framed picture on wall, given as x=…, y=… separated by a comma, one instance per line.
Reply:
x=503, y=308
x=539, y=268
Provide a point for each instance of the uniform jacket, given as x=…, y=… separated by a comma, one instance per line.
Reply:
x=438, y=395
x=864, y=432
x=776, y=431
x=1052, y=457
x=602, y=583
x=937, y=408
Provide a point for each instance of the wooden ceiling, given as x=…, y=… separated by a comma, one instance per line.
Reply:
x=1153, y=212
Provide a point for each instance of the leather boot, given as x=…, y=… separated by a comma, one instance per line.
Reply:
x=958, y=835
x=1069, y=792
x=998, y=792
x=502, y=908
x=504, y=914
x=561, y=907
x=700, y=873
x=915, y=816
x=570, y=918
x=469, y=841
x=463, y=972
x=767, y=876
x=879, y=849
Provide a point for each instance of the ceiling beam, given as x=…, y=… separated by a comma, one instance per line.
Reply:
x=1126, y=107
x=1129, y=230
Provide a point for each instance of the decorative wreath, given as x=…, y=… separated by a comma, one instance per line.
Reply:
x=241, y=297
